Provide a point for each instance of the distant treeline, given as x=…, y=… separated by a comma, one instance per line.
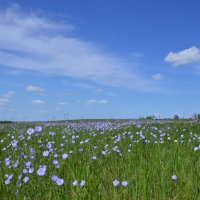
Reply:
x=6, y=122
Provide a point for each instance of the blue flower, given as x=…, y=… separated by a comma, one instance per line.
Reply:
x=82, y=183
x=115, y=183
x=174, y=177
x=124, y=183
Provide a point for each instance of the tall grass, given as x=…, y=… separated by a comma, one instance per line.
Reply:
x=146, y=156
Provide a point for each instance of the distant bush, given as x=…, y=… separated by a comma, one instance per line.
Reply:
x=5, y=122
x=176, y=117
x=150, y=117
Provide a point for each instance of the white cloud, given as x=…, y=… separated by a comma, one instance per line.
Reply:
x=157, y=77
x=94, y=101
x=91, y=101
x=37, y=101
x=31, y=88
x=4, y=99
x=103, y=101
x=31, y=42
x=187, y=56
x=63, y=103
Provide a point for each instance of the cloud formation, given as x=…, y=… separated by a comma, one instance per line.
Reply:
x=37, y=101
x=4, y=99
x=157, y=77
x=31, y=42
x=31, y=88
x=187, y=56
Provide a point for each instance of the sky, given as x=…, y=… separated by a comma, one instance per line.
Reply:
x=72, y=59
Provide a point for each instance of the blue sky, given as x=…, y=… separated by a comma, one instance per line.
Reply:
x=99, y=59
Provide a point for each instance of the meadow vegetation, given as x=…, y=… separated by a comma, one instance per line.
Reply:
x=117, y=160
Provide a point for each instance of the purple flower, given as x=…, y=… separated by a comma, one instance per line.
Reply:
x=55, y=162
x=54, y=178
x=16, y=164
x=30, y=131
x=38, y=128
x=82, y=183
x=14, y=143
x=28, y=164
x=64, y=156
x=32, y=151
x=115, y=183
x=174, y=177
x=45, y=153
x=49, y=145
x=124, y=183
x=31, y=170
x=59, y=181
x=94, y=157
x=41, y=171
x=7, y=181
x=26, y=179
x=75, y=183
x=25, y=171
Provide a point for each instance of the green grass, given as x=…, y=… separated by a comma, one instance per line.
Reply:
x=146, y=166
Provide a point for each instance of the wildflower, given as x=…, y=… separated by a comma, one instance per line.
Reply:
x=32, y=151
x=28, y=164
x=55, y=162
x=75, y=183
x=30, y=131
x=31, y=170
x=103, y=152
x=94, y=157
x=174, y=177
x=16, y=164
x=54, y=178
x=196, y=148
x=25, y=171
x=49, y=145
x=45, y=153
x=26, y=179
x=7, y=181
x=38, y=128
x=64, y=156
x=41, y=171
x=124, y=183
x=82, y=183
x=59, y=181
x=115, y=183
x=14, y=143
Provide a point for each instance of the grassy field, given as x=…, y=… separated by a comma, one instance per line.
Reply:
x=100, y=160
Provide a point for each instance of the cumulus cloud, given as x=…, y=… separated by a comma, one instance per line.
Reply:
x=157, y=77
x=31, y=88
x=31, y=42
x=187, y=56
x=37, y=101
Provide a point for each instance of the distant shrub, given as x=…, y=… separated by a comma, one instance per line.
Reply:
x=176, y=117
